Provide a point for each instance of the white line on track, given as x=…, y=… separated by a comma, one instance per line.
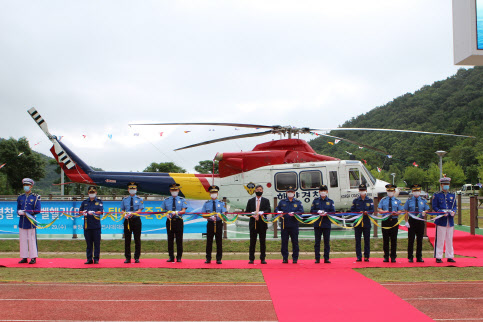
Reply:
x=133, y=300
x=463, y=319
x=119, y=321
x=436, y=283
x=134, y=285
x=443, y=298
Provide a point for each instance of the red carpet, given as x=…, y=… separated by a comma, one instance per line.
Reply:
x=334, y=295
x=463, y=243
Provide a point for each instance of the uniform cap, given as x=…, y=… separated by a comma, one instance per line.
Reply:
x=416, y=187
x=445, y=179
x=323, y=188
x=28, y=181
x=132, y=185
x=290, y=188
x=214, y=189
x=362, y=187
x=390, y=187
x=174, y=186
x=92, y=189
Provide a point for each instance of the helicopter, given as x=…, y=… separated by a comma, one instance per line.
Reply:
x=276, y=165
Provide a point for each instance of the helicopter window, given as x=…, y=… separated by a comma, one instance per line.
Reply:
x=283, y=180
x=354, y=178
x=364, y=181
x=333, y=179
x=310, y=179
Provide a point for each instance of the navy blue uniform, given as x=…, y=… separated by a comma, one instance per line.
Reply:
x=322, y=226
x=30, y=204
x=175, y=225
x=92, y=227
x=360, y=205
x=214, y=228
x=290, y=226
x=441, y=202
x=132, y=225
x=390, y=234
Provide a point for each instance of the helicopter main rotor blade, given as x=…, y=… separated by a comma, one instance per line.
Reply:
x=226, y=139
x=389, y=130
x=216, y=124
x=356, y=143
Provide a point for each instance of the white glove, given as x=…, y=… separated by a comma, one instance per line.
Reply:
x=84, y=213
x=452, y=213
x=213, y=218
x=260, y=213
x=424, y=213
x=21, y=212
x=291, y=214
x=127, y=215
x=320, y=211
x=91, y=212
x=279, y=212
x=253, y=212
x=407, y=225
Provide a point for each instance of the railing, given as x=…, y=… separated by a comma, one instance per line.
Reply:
x=475, y=204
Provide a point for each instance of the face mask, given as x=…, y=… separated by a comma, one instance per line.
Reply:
x=92, y=195
x=259, y=193
x=290, y=194
x=390, y=194
x=213, y=195
x=26, y=188
x=416, y=194
x=446, y=187
x=132, y=192
x=323, y=194
x=362, y=193
x=174, y=193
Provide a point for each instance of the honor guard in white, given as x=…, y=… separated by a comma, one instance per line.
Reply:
x=214, y=226
x=28, y=204
x=132, y=223
x=416, y=208
x=444, y=201
x=174, y=222
x=391, y=206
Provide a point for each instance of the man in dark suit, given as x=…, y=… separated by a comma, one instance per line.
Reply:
x=258, y=206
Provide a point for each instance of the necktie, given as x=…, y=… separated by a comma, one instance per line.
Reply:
x=390, y=204
x=132, y=205
x=416, y=207
x=258, y=205
x=214, y=206
x=174, y=204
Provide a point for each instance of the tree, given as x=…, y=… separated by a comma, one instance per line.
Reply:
x=414, y=175
x=164, y=167
x=27, y=165
x=450, y=169
x=206, y=167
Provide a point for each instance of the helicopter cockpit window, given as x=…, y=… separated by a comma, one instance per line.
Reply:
x=284, y=180
x=334, y=183
x=310, y=179
x=364, y=181
x=354, y=178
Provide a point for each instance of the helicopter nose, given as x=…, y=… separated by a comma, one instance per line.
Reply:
x=219, y=156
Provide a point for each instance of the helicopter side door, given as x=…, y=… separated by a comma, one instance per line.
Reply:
x=353, y=175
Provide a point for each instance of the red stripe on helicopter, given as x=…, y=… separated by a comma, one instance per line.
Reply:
x=75, y=174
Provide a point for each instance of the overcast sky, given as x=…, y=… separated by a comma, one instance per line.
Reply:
x=92, y=67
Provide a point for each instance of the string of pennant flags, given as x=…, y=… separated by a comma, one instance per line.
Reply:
x=4, y=164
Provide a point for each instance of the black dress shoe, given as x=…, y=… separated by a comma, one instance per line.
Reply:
x=326, y=261
x=89, y=262
x=96, y=262
x=263, y=261
x=250, y=262
x=294, y=261
x=127, y=261
x=386, y=260
x=218, y=261
x=393, y=260
x=450, y=260
x=33, y=261
x=178, y=260
x=285, y=261
x=208, y=261
x=317, y=261
x=359, y=260
x=366, y=259
x=439, y=260
x=136, y=261
x=420, y=260
x=23, y=261
x=171, y=260
x=410, y=260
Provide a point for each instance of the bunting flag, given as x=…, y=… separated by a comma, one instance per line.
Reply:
x=364, y=161
x=361, y=147
x=20, y=154
x=109, y=136
x=60, y=138
x=348, y=152
x=161, y=133
x=336, y=141
x=187, y=131
x=1, y=166
x=211, y=130
x=331, y=143
x=379, y=169
x=389, y=156
x=136, y=134
x=84, y=136
x=415, y=164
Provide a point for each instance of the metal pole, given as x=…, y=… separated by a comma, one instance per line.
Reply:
x=459, y=210
x=376, y=204
x=472, y=214
x=61, y=181
x=225, y=226
x=275, y=224
x=440, y=166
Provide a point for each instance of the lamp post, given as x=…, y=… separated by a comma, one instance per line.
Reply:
x=393, y=176
x=441, y=155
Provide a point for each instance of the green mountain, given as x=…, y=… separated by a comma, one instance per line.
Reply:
x=453, y=105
